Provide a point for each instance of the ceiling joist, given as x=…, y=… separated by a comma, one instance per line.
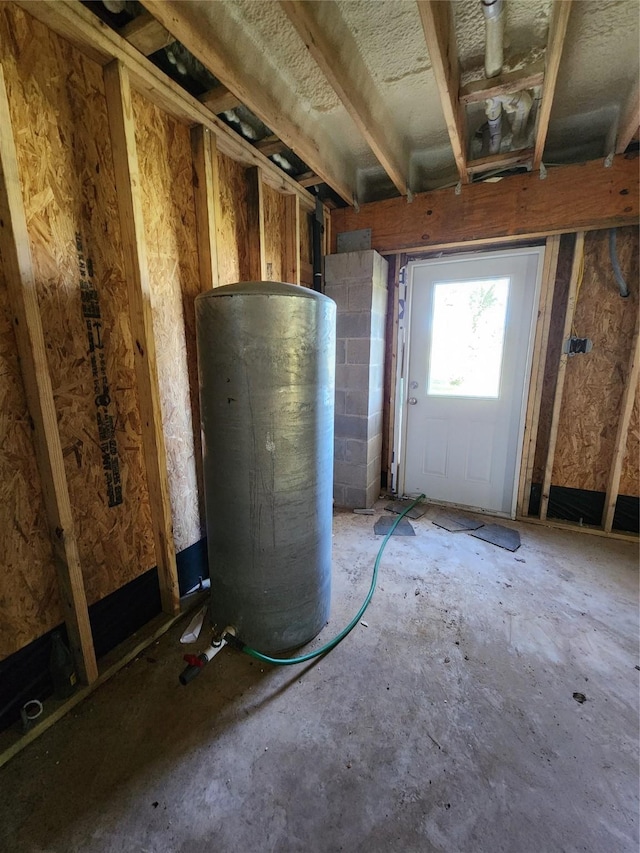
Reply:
x=329, y=41
x=200, y=30
x=146, y=34
x=439, y=33
x=629, y=121
x=555, y=43
x=94, y=38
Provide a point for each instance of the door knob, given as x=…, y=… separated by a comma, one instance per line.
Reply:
x=412, y=401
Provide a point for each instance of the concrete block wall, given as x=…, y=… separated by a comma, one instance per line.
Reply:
x=357, y=281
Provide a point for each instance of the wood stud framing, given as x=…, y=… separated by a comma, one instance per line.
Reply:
x=628, y=398
x=257, y=266
x=540, y=344
x=27, y=325
x=100, y=43
x=562, y=369
x=219, y=100
x=118, y=94
x=207, y=201
x=499, y=161
x=203, y=40
x=291, y=251
x=503, y=84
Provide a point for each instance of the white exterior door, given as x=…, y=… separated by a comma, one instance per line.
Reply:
x=470, y=330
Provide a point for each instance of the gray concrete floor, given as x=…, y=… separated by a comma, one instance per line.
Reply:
x=447, y=724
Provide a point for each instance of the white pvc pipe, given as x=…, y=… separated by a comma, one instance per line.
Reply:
x=493, y=111
x=518, y=106
x=494, y=36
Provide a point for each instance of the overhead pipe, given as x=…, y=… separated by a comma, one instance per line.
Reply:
x=493, y=110
x=518, y=106
x=613, y=252
x=494, y=36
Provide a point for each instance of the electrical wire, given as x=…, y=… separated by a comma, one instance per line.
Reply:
x=327, y=647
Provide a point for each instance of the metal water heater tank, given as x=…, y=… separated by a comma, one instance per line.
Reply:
x=266, y=360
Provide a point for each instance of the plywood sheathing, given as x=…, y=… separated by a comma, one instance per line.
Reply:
x=594, y=383
x=232, y=228
x=29, y=600
x=166, y=172
x=274, y=233
x=631, y=462
x=59, y=116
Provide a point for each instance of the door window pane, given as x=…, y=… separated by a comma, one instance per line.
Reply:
x=467, y=337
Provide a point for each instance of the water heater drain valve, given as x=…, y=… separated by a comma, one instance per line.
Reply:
x=195, y=663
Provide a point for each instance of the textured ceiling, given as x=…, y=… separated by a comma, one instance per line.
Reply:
x=379, y=47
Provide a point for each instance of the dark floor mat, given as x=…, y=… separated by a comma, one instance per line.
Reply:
x=400, y=506
x=504, y=537
x=384, y=524
x=454, y=523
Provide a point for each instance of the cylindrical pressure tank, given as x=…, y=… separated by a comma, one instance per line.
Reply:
x=266, y=361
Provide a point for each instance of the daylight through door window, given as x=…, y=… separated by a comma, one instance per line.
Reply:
x=467, y=337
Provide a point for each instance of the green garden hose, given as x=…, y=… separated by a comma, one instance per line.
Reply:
x=234, y=641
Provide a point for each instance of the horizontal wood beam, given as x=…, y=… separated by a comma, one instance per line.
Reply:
x=439, y=33
x=219, y=99
x=586, y=196
x=503, y=84
x=328, y=39
x=557, y=31
x=500, y=161
x=146, y=34
x=27, y=325
x=199, y=30
x=78, y=25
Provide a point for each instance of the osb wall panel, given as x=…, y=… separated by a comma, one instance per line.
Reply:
x=164, y=154
x=631, y=464
x=594, y=383
x=554, y=348
x=29, y=603
x=60, y=125
x=274, y=206
x=232, y=229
